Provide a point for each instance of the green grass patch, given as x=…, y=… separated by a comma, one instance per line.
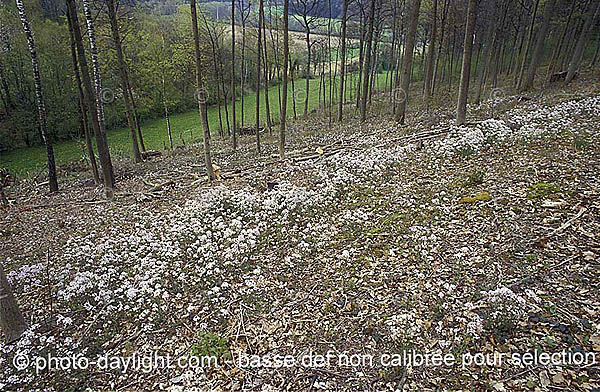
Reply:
x=185, y=127
x=542, y=190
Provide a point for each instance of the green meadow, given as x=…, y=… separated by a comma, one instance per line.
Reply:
x=186, y=126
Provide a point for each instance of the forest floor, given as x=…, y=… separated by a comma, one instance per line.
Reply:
x=318, y=272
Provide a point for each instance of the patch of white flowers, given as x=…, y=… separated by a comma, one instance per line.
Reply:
x=404, y=326
x=528, y=122
x=504, y=306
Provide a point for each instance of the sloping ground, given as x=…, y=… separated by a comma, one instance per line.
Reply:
x=443, y=240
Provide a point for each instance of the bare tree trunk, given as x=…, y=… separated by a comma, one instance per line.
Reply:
x=461, y=109
x=234, y=117
x=361, y=56
x=408, y=61
x=308, y=63
x=286, y=55
x=431, y=56
x=266, y=75
x=12, y=322
x=374, y=65
x=539, y=45
x=258, y=63
x=488, y=51
x=516, y=66
x=201, y=93
x=169, y=133
x=114, y=26
x=292, y=79
x=389, y=80
x=274, y=45
x=52, y=180
x=558, y=48
x=94, y=94
x=82, y=104
x=571, y=42
x=329, y=51
x=529, y=43
x=582, y=41
x=243, y=74
x=440, y=47
x=595, y=58
x=343, y=59
x=516, y=39
x=214, y=48
x=136, y=118
x=367, y=65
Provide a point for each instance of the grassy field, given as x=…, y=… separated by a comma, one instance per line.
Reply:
x=31, y=160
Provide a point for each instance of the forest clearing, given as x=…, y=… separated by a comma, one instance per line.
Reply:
x=395, y=229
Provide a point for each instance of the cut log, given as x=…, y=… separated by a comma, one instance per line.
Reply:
x=151, y=153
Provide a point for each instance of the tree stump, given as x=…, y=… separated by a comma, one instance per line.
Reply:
x=12, y=322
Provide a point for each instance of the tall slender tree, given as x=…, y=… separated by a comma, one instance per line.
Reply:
x=539, y=45
x=528, y=45
x=558, y=48
x=592, y=12
x=233, y=114
x=305, y=11
x=408, y=61
x=258, y=64
x=488, y=44
x=82, y=103
x=114, y=26
x=342, y=60
x=431, y=56
x=39, y=96
x=266, y=72
x=284, y=94
x=98, y=122
x=201, y=93
x=465, y=75
x=367, y=65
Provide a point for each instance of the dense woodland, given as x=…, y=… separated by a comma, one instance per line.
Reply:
x=142, y=64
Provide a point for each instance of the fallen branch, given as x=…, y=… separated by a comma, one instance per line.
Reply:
x=65, y=204
x=542, y=241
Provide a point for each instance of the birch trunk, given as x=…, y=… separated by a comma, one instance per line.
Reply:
x=82, y=104
x=39, y=96
x=98, y=112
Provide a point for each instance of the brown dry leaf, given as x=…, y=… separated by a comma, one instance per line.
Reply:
x=558, y=379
